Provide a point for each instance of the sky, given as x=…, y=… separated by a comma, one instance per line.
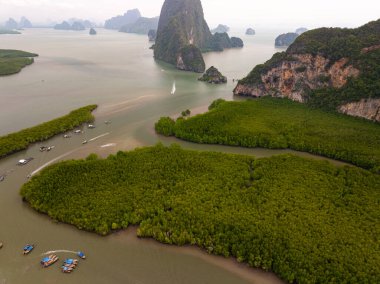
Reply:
x=273, y=14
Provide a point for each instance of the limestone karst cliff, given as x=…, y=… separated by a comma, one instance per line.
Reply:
x=332, y=68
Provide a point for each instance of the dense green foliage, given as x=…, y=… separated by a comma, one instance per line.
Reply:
x=334, y=44
x=280, y=123
x=18, y=141
x=306, y=220
x=165, y=126
x=12, y=61
x=8, y=32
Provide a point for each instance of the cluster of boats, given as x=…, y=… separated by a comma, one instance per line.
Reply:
x=68, y=266
x=47, y=149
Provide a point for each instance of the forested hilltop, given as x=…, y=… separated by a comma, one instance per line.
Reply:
x=308, y=221
x=12, y=61
x=330, y=68
x=280, y=124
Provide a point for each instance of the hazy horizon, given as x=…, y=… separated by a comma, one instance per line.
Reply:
x=272, y=14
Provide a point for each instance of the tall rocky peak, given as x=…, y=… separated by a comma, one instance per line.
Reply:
x=332, y=68
x=182, y=29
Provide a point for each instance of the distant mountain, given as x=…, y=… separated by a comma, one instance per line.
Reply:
x=116, y=23
x=301, y=30
x=286, y=39
x=25, y=23
x=141, y=26
x=11, y=24
x=221, y=29
x=250, y=31
x=76, y=26
x=183, y=34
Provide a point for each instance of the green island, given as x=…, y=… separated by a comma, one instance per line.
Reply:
x=306, y=220
x=12, y=61
x=8, y=32
x=20, y=140
x=280, y=124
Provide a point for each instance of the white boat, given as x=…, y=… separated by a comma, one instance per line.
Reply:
x=91, y=126
x=78, y=131
x=84, y=142
x=66, y=136
x=23, y=162
x=173, y=89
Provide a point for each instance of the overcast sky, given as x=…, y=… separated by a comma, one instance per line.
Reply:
x=234, y=13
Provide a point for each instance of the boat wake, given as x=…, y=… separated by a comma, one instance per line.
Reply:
x=108, y=145
x=100, y=136
x=58, y=251
x=50, y=162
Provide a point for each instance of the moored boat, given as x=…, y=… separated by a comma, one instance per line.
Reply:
x=66, y=269
x=70, y=261
x=28, y=248
x=50, y=260
x=81, y=255
x=1, y=245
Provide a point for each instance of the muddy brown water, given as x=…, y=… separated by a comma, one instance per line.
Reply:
x=117, y=72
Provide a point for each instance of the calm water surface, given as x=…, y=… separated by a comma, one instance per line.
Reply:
x=117, y=72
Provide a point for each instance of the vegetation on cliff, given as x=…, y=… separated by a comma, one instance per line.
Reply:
x=12, y=61
x=306, y=220
x=279, y=124
x=213, y=76
x=361, y=46
x=182, y=25
x=18, y=141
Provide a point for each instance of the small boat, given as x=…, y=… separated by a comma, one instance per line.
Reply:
x=78, y=131
x=50, y=260
x=81, y=255
x=43, y=148
x=66, y=136
x=1, y=245
x=28, y=248
x=50, y=148
x=91, y=126
x=70, y=261
x=107, y=122
x=66, y=269
x=173, y=89
x=23, y=162
x=84, y=142
x=2, y=178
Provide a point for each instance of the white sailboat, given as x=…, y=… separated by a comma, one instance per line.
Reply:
x=173, y=89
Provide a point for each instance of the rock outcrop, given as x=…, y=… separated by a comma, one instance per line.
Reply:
x=365, y=108
x=190, y=59
x=78, y=26
x=213, y=76
x=332, y=68
x=11, y=24
x=221, y=29
x=63, y=26
x=182, y=25
x=141, y=26
x=152, y=34
x=250, y=31
x=117, y=22
x=294, y=77
x=92, y=31
x=286, y=39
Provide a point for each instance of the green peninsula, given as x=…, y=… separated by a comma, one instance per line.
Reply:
x=12, y=61
x=18, y=141
x=308, y=221
x=280, y=124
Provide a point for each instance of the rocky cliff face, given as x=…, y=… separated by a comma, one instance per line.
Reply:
x=365, y=108
x=332, y=68
x=293, y=78
x=213, y=76
x=181, y=24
